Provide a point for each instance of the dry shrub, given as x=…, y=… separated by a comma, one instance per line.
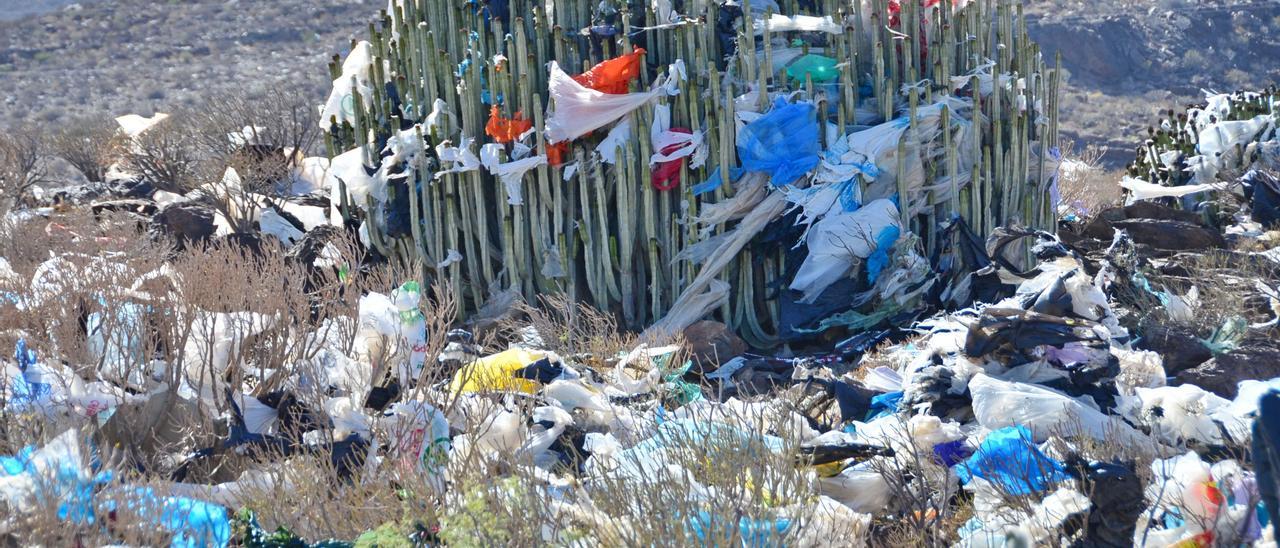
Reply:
x=167, y=156
x=91, y=145
x=1226, y=284
x=1085, y=186
x=569, y=328
x=22, y=165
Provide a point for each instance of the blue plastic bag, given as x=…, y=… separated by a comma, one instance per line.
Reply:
x=884, y=405
x=782, y=143
x=192, y=523
x=1011, y=461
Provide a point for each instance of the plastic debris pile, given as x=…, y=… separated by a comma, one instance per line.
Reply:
x=991, y=384
x=663, y=160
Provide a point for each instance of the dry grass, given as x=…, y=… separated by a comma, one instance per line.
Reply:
x=1087, y=187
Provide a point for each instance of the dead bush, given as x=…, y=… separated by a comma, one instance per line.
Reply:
x=91, y=145
x=22, y=166
x=166, y=155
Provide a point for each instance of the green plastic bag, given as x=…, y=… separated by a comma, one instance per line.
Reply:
x=822, y=69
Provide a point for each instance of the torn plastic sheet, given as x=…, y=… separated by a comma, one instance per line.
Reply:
x=354, y=78
x=460, y=158
x=511, y=173
x=578, y=110
x=1142, y=190
x=616, y=139
x=803, y=23
x=782, y=143
x=452, y=257
x=838, y=242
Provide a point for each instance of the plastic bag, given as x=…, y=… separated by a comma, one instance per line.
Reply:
x=192, y=523
x=506, y=130
x=355, y=77
x=578, y=110
x=412, y=328
x=782, y=143
x=511, y=173
x=1177, y=413
x=613, y=76
x=133, y=125
x=616, y=139
x=499, y=371
x=348, y=170
x=820, y=68
x=803, y=23
x=838, y=242
x=861, y=488
x=1142, y=190
x=1044, y=412
x=1009, y=460
x=674, y=143
x=418, y=436
x=461, y=158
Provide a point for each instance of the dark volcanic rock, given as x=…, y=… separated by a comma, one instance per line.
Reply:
x=1171, y=235
x=1180, y=348
x=185, y=222
x=1220, y=375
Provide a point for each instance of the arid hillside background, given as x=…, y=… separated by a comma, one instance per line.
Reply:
x=1127, y=59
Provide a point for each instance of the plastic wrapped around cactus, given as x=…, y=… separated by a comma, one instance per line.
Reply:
x=533, y=165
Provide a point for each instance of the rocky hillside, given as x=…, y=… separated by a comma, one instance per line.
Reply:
x=1126, y=58
x=140, y=56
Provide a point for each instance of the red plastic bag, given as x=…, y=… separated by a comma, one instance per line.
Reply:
x=667, y=175
x=506, y=130
x=615, y=75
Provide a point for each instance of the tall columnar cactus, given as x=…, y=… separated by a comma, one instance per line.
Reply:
x=601, y=232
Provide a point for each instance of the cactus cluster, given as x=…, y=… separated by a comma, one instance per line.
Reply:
x=1172, y=155
x=601, y=232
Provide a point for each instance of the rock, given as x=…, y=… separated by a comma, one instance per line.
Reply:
x=77, y=194
x=1171, y=235
x=1223, y=373
x=133, y=188
x=308, y=249
x=1180, y=348
x=186, y=222
x=711, y=344
x=1151, y=210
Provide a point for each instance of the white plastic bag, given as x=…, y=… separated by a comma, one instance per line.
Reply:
x=1142, y=190
x=579, y=110
x=511, y=173
x=460, y=158
x=686, y=144
x=413, y=326
x=355, y=68
x=1176, y=413
x=1045, y=412
x=838, y=242
x=804, y=23
x=616, y=139
x=348, y=170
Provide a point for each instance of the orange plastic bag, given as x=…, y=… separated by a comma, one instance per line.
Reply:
x=557, y=152
x=615, y=75
x=506, y=130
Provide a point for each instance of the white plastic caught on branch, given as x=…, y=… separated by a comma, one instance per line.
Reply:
x=579, y=110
